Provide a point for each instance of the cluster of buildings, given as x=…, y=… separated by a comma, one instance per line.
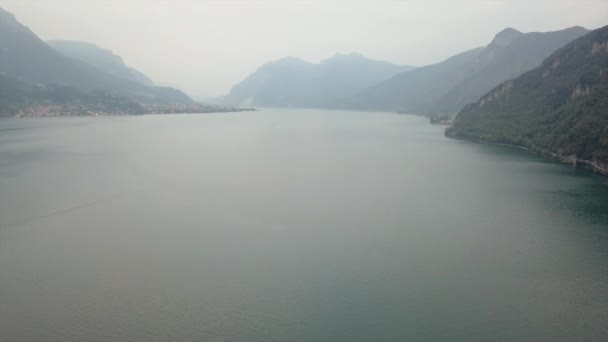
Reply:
x=93, y=110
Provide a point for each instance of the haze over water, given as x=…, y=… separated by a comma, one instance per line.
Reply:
x=292, y=226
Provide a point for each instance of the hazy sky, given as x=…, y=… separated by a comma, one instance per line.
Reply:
x=205, y=47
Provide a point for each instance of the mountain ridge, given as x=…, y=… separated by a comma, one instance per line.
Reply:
x=447, y=86
x=559, y=109
x=293, y=82
x=100, y=58
x=24, y=56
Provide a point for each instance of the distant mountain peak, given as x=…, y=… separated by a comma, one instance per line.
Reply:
x=577, y=29
x=288, y=61
x=341, y=57
x=446, y=87
x=505, y=37
x=557, y=109
x=352, y=54
x=292, y=82
x=8, y=20
x=5, y=14
x=31, y=61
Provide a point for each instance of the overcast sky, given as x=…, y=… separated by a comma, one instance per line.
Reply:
x=205, y=47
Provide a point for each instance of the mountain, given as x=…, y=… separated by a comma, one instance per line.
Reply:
x=523, y=53
x=292, y=82
x=26, y=57
x=416, y=91
x=559, y=109
x=12, y=95
x=449, y=85
x=23, y=99
x=100, y=58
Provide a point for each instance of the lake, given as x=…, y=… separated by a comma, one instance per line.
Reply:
x=292, y=225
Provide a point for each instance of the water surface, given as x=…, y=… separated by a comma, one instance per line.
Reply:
x=292, y=226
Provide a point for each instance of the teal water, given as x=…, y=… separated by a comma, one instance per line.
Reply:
x=292, y=226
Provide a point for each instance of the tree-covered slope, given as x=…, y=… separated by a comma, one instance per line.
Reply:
x=558, y=109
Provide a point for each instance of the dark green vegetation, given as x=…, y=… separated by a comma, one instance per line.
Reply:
x=559, y=109
x=442, y=119
x=292, y=82
x=447, y=86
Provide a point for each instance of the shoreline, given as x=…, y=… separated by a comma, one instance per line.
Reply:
x=116, y=114
x=562, y=159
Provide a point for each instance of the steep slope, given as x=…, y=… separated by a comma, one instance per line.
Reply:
x=417, y=90
x=25, y=57
x=100, y=58
x=559, y=109
x=12, y=95
x=280, y=83
x=292, y=82
x=506, y=62
x=449, y=85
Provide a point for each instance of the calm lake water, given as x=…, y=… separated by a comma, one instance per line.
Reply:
x=292, y=226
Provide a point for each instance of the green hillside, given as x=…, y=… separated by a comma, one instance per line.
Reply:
x=559, y=109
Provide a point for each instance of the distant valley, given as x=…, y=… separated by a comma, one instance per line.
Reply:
x=79, y=78
x=545, y=91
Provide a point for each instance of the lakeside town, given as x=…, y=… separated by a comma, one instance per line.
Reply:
x=97, y=110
